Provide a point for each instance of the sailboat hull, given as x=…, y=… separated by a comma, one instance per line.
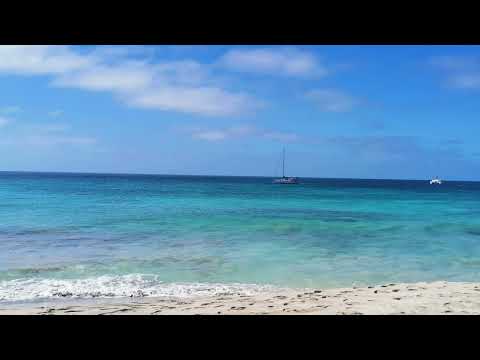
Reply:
x=287, y=181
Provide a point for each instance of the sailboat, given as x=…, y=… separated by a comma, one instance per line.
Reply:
x=284, y=179
x=435, y=181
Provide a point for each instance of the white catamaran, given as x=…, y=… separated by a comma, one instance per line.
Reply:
x=284, y=179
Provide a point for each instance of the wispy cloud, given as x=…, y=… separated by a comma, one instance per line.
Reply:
x=43, y=135
x=238, y=132
x=44, y=128
x=184, y=86
x=41, y=60
x=461, y=72
x=115, y=52
x=332, y=100
x=396, y=145
x=394, y=157
x=234, y=132
x=54, y=140
x=56, y=113
x=465, y=81
x=284, y=137
x=10, y=110
x=126, y=77
x=4, y=121
x=211, y=135
x=452, y=142
x=454, y=63
x=283, y=61
x=205, y=101
x=389, y=150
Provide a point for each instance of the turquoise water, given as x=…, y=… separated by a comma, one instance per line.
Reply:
x=65, y=235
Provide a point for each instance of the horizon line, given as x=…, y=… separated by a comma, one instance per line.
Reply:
x=212, y=175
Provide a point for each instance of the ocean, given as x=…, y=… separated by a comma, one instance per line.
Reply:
x=94, y=235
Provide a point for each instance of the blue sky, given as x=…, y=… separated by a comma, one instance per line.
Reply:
x=405, y=112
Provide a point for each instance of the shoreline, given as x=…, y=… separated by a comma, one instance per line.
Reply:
x=440, y=297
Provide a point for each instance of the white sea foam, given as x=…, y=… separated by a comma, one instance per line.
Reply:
x=134, y=285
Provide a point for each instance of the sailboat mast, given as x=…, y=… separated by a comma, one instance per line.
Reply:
x=285, y=180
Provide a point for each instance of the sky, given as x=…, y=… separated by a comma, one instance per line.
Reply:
x=395, y=112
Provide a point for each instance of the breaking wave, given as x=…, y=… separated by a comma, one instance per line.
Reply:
x=134, y=285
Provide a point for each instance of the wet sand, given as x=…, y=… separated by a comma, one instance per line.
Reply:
x=394, y=299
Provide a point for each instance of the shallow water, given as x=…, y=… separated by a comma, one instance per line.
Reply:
x=115, y=235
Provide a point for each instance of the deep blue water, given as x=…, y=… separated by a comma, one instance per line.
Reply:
x=112, y=235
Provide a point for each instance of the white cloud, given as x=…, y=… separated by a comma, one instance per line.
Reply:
x=223, y=134
x=461, y=72
x=186, y=72
x=276, y=61
x=4, y=121
x=211, y=135
x=127, y=77
x=333, y=100
x=116, y=52
x=184, y=86
x=242, y=132
x=41, y=59
x=202, y=100
x=465, y=81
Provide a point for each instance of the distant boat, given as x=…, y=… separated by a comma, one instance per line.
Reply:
x=284, y=179
x=435, y=181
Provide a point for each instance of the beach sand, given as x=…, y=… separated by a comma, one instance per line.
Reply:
x=410, y=299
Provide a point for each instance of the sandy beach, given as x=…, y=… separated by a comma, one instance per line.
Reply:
x=392, y=299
